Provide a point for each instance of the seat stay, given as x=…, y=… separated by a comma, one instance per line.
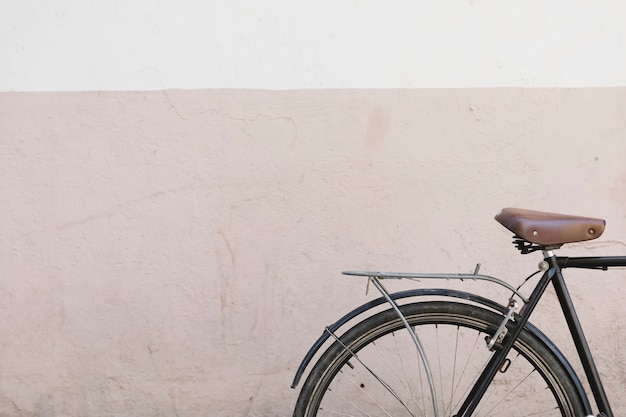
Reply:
x=484, y=380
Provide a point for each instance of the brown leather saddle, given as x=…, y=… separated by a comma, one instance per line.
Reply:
x=550, y=229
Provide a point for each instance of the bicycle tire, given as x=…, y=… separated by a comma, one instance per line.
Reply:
x=374, y=368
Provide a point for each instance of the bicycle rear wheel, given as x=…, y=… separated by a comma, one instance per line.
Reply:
x=374, y=369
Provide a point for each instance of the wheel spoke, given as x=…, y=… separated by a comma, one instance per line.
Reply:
x=374, y=369
x=378, y=378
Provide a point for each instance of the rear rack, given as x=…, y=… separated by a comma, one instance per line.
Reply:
x=447, y=276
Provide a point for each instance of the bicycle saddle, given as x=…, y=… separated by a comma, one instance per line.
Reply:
x=543, y=228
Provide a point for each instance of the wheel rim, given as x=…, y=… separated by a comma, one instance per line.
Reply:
x=378, y=371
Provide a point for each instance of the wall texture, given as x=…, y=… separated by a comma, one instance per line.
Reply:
x=176, y=252
x=62, y=45
x=182, y=182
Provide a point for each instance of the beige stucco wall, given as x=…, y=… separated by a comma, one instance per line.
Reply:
x=177, y=252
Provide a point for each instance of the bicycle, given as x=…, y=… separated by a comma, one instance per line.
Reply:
x=442, y=352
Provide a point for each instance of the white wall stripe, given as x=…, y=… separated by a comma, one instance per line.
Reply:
x=281, y=44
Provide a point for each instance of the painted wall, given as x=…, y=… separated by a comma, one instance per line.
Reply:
x=176, y=251
x=63, y=45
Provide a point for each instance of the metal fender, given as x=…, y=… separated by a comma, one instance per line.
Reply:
x=439, y=292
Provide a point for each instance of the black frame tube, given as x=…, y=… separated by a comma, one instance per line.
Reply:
x=484, y=380
x=575, y=328
x=591, y=262
x=554, y=276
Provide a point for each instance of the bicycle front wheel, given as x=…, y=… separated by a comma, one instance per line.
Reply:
x=375, y=369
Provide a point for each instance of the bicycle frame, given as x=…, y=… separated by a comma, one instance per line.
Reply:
x=573, y=323
x=552, y=274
